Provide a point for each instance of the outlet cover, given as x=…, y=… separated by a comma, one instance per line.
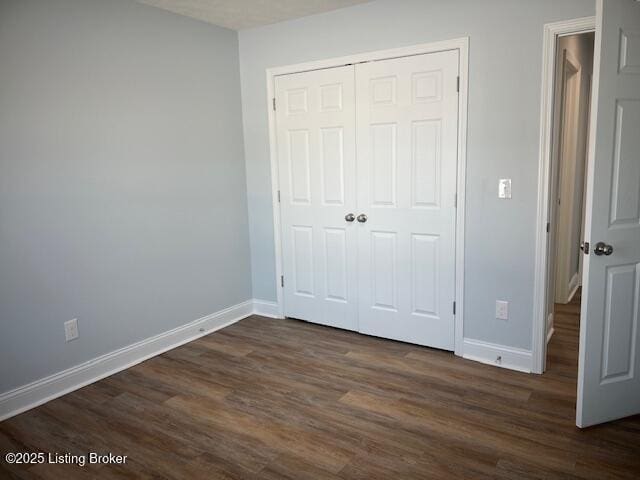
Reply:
x=502, y=310
x=71, y=329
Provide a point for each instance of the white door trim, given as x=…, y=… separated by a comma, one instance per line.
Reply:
x=551, y=32
x=460, y=44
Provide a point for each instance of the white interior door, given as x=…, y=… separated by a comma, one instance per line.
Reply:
x=315, y=120
x=407, y=121
x=609, y=366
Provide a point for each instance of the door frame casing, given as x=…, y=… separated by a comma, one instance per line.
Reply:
x=551, y=33
x=460, y=44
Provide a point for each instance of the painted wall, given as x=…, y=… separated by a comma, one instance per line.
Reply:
x=503, y=131
x=122, y=184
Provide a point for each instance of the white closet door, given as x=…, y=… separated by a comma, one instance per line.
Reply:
x=407, y=120
x=316, y=153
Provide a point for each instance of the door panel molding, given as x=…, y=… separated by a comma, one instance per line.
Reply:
x=425, y=88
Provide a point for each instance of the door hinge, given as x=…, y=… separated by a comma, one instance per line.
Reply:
x=278, y=196
x=455, y=200
x=458, y=83
x=548, y=227
x=282, y=280
x=274, y=103
x=454, y=308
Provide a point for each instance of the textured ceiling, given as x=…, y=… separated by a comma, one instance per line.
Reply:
x=239, y=14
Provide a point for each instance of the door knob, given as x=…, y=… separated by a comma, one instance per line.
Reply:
x=362, y=218
x=349, y=217
x=602, y=248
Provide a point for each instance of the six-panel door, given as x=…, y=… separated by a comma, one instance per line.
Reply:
x=378, y=140
x=609, y=366
x=315, y=118
x=407, y=121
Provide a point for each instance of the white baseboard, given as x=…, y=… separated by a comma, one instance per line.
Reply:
x=574, y=289
x=41, y=391
x=497, y=355
x=550, y=334
x=265, y=308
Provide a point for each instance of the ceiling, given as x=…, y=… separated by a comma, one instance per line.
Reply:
x=240, y=14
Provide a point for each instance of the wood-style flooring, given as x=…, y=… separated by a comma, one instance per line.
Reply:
x=284, y=399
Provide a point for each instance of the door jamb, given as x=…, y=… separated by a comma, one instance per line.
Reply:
x=460, y=44
x=551, y=32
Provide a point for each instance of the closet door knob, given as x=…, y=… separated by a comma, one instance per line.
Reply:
x=349, y=217
x=362, y=218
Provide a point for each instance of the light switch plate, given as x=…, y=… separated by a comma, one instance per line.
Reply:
x=504, y=188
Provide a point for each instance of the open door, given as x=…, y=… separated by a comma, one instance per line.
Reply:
x=609, y=366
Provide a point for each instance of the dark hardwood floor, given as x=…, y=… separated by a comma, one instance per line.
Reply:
x=283, y=399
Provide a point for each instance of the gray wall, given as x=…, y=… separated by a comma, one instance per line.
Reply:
x=122, y=184
x=503, y=131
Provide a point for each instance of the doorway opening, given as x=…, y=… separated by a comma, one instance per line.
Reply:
x=573, y=68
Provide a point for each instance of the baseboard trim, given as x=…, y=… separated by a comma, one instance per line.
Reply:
x=265, y=308
x=550, y=334
x=497, y=355
x=574, y=289
x=41, y=391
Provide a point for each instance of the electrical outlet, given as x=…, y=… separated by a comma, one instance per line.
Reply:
x=71, y=329
x=502, y=310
